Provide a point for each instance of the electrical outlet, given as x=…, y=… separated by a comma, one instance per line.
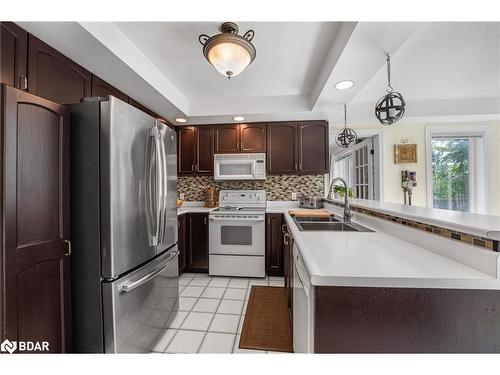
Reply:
x=294, y=196
x=181, y=196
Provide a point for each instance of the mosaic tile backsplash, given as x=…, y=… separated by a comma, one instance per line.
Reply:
x=277, y=187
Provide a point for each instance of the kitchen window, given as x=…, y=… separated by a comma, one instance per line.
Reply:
x=357, y=165
x=456, y=170
x=344, y=168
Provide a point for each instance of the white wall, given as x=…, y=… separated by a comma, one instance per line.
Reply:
x=394, y=134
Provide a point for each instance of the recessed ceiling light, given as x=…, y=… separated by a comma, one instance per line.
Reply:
x=181, y=120
x=343, y=85
x=238, y=118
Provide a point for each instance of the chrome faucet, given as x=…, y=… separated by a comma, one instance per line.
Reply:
x=347, y=207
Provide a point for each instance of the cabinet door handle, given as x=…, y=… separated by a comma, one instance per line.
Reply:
x=67, y=251
x=23, y=83
x=192, y=167
x=285, y=238
x=283, y=228
x=296, y=166
x=205, y=220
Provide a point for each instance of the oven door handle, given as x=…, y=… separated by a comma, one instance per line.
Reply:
x=235, y=218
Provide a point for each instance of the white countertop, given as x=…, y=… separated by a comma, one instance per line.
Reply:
x=481, y=225
x=376, y=259
x=194, y=207
x=280, y=207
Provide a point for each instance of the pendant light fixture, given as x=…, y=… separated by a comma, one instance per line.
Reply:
x=347, y=136
x=391, y=107
x=229, y=52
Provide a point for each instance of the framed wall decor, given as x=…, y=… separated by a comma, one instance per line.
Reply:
x=405, y=153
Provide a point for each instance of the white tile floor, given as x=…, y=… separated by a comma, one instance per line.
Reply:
x=211, y=314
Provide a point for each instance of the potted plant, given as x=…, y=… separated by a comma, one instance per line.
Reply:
x=339, y=192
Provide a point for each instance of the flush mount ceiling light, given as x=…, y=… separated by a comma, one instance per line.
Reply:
x=238, y=118
x=391, y=107
x=347, y=136
x=229, y=52
x=343, y=85
x=180, y=120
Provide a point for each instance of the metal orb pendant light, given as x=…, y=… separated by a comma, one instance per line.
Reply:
x=347, y=136
x=391, y=107
x=229, y=52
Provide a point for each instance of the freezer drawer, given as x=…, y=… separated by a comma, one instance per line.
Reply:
x=139, y=305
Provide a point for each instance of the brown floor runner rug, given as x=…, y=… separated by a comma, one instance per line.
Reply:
x=267, y=323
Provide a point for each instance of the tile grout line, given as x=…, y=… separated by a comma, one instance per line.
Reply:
x=240, y=315
x=211, y=320
x=188, y=312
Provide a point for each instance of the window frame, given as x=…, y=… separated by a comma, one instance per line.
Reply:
x=479, y=178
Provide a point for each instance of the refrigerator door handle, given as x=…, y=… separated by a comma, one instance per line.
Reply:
x=153, y=202
x=128, y=287
x=163, y=191
x=159, y=183
x=149, y=185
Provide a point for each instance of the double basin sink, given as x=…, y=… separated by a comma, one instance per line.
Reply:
x=331, y=223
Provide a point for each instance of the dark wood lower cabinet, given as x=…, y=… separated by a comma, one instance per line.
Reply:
x=182, y=243
x=196, y=242
x=35, y=220
x=406, y=320
x=288, y=269
x=274, y=244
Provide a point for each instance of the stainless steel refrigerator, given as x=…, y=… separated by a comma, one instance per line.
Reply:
x=123, y=227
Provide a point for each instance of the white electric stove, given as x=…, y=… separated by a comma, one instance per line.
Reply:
x=237, y=234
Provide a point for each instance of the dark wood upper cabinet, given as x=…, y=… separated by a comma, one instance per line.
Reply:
x=227, y=139
x=13, y=55
x=35, y=246
x=186, y=146
x=195, y=150
x=204, y=155
x=197, y=242
x=102, y=88
x=234, y=138
x=253, y=137
x=54, y=76
x=282, y=148
x=313, y=146
x=274, y=245
x=291, y=147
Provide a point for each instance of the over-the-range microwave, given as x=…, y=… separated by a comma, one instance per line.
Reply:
x=240, y=167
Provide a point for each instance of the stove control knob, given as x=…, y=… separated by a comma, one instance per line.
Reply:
x=224, y=198
x=260, y=198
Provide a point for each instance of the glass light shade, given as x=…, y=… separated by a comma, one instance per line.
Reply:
x=230, y=59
